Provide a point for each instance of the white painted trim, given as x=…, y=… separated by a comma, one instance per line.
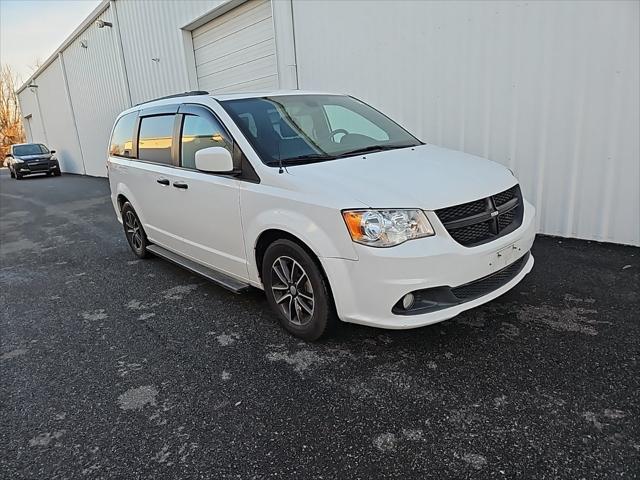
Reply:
x=189, y=60
x=283, y=29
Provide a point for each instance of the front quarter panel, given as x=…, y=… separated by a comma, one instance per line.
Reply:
x=319, y=226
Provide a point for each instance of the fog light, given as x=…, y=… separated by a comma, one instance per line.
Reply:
x=407, y=301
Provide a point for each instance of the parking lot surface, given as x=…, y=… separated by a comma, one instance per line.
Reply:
x=113, y=367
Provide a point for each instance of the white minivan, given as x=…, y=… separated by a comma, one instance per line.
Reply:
x=329, y=206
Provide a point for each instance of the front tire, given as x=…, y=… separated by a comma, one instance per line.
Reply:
x=134, y=232
x=297, y=290
x=18, y=176
x=57, y=173
x=11, y=174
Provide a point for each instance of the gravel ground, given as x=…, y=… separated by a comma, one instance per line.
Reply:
x=114, y=367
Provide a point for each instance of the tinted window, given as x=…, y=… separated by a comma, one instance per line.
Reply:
x=29, y=149
x=310, y=128
x=198, y=133
x=156, y=135
x=122, y=138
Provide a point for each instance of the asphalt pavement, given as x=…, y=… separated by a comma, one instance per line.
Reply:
x=113, y=367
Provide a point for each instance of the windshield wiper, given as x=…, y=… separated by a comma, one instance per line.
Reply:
x=310, y=158
x=321, y=157
x=371, y=148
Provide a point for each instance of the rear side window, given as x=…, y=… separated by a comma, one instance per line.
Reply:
x=198, y=133
x=155, y=138
x=122, y=138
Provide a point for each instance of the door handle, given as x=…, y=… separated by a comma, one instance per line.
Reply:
x=184, y=186
x=163, y=181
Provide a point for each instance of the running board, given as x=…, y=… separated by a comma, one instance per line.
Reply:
x=222, y=279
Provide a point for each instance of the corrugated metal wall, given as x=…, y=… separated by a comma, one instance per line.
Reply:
x=58, y=122
x=31, y=116
x=97, y=89
x=152, y=30
x=549, y=89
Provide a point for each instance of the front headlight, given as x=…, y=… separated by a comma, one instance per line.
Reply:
x=386, y=228
x=17, y=160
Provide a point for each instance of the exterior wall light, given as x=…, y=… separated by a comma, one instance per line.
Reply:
x=102, y=24
x=84, y=44
x=33, y=87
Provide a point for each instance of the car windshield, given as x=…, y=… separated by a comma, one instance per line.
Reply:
x=295, y=129
x=30, y=149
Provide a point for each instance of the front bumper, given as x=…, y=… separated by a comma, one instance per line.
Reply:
x=33, y=168
x=366, y=290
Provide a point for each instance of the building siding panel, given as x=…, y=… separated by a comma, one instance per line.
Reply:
x=33, y=127
x=58, y=121
x=549, y=89
x=153, y=30
x=97, y=90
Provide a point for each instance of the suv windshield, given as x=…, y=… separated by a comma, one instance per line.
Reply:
x=309, y=128
x=30, y=149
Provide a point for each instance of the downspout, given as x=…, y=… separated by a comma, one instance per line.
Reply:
x=73, y=113
x=293, y=45
x=123, y=63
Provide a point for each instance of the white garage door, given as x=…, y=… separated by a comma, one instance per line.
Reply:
x=236, y=51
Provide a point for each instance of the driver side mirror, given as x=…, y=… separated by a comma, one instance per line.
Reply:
x=52, y=152
x=214, y=160
x=7, y=155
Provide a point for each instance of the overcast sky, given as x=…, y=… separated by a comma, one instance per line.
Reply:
x=31, y=30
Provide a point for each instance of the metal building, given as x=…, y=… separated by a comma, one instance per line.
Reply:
x=550, y=89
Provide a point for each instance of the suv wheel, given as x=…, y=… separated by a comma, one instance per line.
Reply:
x=11, y=174
x=297, y=290
x=133, y=231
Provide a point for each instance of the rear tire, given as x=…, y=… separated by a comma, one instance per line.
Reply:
x=134, y=232
x=297, y=291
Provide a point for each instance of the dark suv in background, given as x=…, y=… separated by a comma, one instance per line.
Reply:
x=29, y=158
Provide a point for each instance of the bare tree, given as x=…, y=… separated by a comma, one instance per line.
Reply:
x=11, y=130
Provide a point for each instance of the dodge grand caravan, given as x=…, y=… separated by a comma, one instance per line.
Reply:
x=329, y=206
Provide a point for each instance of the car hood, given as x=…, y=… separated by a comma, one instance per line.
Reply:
x=39, y=156
x=426, y=177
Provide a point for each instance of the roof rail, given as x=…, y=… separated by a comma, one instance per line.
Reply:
x=175, y=95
